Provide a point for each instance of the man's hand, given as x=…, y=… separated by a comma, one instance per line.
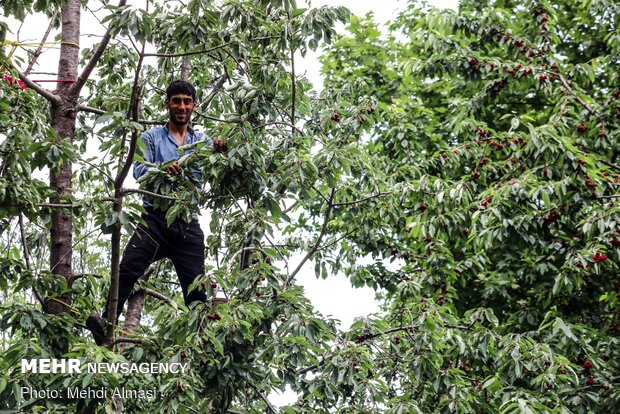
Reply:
x=220, y=145
x=174, y=169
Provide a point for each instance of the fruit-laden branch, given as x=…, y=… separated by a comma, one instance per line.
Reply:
x=569, y=89
x=90, y=66
x=367, y=337
x=328, y=212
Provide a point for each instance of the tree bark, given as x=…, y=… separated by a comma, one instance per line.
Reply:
x=63, y=116
x=186, y=66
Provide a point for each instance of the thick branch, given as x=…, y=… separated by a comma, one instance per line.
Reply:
x=159, y=296
x=186, y=66
x=47, y=94
x=90, y=66
x=125, y=340
x=611, y=164
x=328, y=212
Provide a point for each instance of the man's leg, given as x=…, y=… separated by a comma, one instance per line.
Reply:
x=142, y=250
x=188, y=258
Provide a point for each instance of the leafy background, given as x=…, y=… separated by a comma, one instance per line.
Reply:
x=464, y=165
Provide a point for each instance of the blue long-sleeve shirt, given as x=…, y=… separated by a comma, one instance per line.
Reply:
x=161, y=147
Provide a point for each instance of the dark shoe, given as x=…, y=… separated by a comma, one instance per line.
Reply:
x=96, y=325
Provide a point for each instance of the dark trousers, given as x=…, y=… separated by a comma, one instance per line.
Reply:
x=183, y=243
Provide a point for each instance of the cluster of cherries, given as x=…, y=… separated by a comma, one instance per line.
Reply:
x=11, y=81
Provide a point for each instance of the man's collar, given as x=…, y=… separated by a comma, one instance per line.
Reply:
x=189, y=128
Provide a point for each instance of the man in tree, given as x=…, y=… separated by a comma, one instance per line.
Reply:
x=181, y=242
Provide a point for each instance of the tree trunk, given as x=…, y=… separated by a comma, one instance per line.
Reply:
x=63, y=121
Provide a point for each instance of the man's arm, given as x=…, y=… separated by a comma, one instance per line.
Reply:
x=148, y=154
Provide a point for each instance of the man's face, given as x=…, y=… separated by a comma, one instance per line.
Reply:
x=180, y=108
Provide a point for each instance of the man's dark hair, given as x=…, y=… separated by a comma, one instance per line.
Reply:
x=180, y=86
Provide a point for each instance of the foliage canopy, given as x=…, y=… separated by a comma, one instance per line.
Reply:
x=465, y=165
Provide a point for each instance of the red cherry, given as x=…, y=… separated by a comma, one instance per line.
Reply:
x=422, y=207
x=213, y=285
x=581, y=127
x=598, y=257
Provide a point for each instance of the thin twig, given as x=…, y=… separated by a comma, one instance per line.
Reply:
x=350, y=203
x=39, y=50
x=145, y=192
x=198, y=52
x=328, y=212
x=262, y=397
